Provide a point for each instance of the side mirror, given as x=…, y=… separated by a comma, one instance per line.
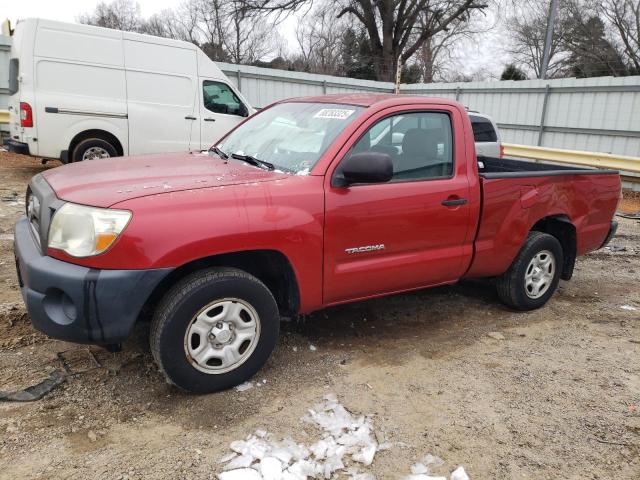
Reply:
x=363, y=167
x=243, y=110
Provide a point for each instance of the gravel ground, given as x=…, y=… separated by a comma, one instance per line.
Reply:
x=548, y=394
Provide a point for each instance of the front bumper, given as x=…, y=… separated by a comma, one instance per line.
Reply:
x=17, y=147
x=79, y=304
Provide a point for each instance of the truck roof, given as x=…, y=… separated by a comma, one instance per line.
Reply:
x=370, y=99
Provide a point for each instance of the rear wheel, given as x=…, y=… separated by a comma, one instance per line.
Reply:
x=214, y=330
x=93, y=149
x=534, y=274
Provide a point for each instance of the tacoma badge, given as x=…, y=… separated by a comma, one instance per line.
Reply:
x=366, y=248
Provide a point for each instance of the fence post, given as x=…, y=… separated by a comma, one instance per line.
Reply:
x=324, y=87
x=458, y=91
x=239, y=76
x=543, y=115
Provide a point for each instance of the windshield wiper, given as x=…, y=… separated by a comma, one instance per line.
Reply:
x=253, y=161
x=219, y=152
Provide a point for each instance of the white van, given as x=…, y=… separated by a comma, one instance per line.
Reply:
x=79, y=92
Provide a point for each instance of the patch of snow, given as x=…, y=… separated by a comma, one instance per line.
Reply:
x=346, y=438
x=312, y=348
x=240, y=474
x=243, y=387
x=459, y=474
x=629, y=308
x=346, y=443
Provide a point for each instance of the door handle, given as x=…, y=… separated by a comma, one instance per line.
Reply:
x=189, y=117
x=454, y=202
x=209, y=119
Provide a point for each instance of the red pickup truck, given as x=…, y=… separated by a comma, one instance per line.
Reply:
x=309, y=203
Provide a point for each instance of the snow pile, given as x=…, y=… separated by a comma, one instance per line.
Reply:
x=345, y=438
x=420, y=470
x=347, y=443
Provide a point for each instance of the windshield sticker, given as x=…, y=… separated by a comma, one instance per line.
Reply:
x=334, y=113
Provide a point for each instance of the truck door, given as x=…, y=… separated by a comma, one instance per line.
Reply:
x=410, y=232
x=220, y=110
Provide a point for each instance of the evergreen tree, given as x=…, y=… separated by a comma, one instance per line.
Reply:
x=511, y=72
x=592, y=54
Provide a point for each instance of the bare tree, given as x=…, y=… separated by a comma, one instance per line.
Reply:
x=249, y=37
x=527, y=26
x=624, y=16
x=119, y=14
x=319, y=37
x=437, y=57
x=394, y=27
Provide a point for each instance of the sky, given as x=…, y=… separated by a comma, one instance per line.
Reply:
x=481, y=54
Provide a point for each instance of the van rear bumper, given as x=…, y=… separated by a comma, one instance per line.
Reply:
x=17, y=147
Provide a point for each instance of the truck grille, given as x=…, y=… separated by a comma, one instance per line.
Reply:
x=41, y=204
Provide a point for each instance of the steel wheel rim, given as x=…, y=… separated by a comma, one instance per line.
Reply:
x=93, y=153
x=222, y=336
x=539, y=274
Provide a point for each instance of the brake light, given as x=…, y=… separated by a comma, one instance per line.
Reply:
x=501, y=151
x=26, y=115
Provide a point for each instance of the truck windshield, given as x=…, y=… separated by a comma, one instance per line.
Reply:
x=291, y=136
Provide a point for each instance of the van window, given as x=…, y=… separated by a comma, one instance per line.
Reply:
x=219, y=98
x=483, y=130
x=13, y=75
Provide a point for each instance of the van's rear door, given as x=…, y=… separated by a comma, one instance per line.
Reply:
x=19, y=68
x=162, y=95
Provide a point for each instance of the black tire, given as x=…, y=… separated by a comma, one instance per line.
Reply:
x=511, y=286
x=92, y=143
x=176, y=313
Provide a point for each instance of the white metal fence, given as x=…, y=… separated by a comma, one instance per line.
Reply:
x=594, y=114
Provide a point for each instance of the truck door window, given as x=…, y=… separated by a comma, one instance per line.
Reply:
x=420, y=144
x=219, y=98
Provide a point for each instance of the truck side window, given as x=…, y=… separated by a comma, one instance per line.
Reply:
x=420, y=144
x=219, y=98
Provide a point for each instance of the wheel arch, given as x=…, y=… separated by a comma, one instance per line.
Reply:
x=271, y=267
x=95, y=133
x=561, y=227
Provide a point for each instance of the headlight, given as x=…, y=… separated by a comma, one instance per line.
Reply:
x=84, y=231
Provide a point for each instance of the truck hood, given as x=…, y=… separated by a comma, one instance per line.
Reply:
x=102, y=183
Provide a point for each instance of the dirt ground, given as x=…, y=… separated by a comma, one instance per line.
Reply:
x=555, y=395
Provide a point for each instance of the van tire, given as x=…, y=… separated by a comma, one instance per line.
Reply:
x=97, y=146
x=197, y=295
x=513, y=288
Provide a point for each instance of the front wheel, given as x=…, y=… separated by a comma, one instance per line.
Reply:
x=534, y=274
x=214, y=330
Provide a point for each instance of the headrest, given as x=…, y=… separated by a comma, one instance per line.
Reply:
x=421, y=142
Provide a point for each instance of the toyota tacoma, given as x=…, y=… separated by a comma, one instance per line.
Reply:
x=312, y=202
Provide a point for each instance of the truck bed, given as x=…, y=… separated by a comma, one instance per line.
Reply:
x=518, y=194
x=491, y=167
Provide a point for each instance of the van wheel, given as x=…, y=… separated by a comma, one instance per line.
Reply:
x=93, y=149
x=534, y=274
x=214, y=329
